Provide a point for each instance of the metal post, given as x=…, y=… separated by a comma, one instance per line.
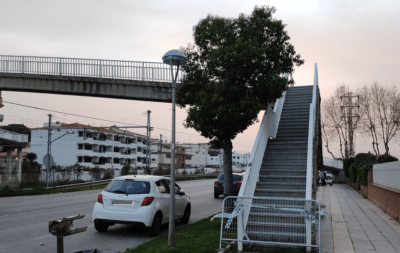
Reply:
x=48, y=151
x=171, y=232
x=148, y=146
x=60, y=244
x=160, y=151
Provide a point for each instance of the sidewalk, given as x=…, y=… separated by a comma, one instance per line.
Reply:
x=355, y=224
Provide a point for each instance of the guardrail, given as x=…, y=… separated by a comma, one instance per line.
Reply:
x=111, y=69
x=80, y=185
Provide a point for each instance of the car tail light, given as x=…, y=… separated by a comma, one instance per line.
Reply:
x=147, y=201
x=216, y=182
x=100, y=198
x=240, y=183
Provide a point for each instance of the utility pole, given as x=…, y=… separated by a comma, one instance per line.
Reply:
x=48, y=151
x=148, y=144
x=160, y=152
x=349, y=110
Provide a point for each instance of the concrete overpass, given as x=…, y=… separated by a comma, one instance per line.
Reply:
x=147, y=81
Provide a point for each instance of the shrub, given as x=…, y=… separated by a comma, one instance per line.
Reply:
x=147, y=170
x=184, y=172
x=95, y=172
x=387, y=158
x=78, y=170
x=346, y=165
x=31, y=157
x=362, y=159
x=126, y=170
x=362, y=174
x=353, y=172
x=108, y=174
x=159, y=171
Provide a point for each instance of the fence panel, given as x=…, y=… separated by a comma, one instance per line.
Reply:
x=275, y=221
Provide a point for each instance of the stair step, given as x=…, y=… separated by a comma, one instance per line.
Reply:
x=282, y=177
x=280, y=185
x=285, y=162
x=284, y=157
x=288, y=152
x=280, y=190
x=275, y=142
x=288, y=125
x=282, y=173
x=293, y=138
x=288, y=167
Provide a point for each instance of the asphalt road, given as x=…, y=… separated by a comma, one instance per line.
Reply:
x=24, y=221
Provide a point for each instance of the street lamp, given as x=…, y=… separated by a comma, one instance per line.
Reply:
x=174, y=58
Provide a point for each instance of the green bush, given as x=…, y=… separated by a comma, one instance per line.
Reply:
x=387, y=158
x=353, y=172
x=125, y=170
x=346, y=165
x=362, y=159
x=362, y=174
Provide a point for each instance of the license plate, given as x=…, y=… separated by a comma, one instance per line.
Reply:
x=117, y=202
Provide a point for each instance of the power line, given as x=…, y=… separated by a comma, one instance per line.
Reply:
x=87, y=117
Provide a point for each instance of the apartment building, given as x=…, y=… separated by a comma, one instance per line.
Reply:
x=103, y=147
x=165, y=158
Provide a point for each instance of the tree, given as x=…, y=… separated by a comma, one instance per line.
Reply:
x=31, y=157
x=382, y=114
x=333, y=126
x=233, y=72
x=18, y=128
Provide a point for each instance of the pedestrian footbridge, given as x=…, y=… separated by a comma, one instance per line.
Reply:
x=148, y=81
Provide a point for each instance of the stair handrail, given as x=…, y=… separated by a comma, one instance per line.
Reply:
x=311, y=133
x=267, y=130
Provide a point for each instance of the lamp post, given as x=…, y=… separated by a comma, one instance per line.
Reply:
x=174, y=58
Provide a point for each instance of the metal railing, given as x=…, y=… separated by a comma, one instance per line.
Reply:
x=80, y=185
x=274, y=221
x=4, y=134
x=110, y=69
x=311, y=134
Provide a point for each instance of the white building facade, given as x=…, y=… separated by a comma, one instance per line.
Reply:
x=102, y=147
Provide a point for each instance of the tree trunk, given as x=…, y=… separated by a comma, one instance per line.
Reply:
x=228, y=178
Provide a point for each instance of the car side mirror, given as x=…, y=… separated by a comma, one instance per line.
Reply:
x=182, y=192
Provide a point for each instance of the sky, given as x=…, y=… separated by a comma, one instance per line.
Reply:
x=353, y=42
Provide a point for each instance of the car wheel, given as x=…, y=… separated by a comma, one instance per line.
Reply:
x=186, y=215
x=216, y=195
x=155, y=228
x=101, y=226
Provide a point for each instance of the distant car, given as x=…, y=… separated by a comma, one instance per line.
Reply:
x=328, y=175
x=219, y=184
x=139, y=200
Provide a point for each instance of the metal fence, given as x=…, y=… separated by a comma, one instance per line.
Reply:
x=112, y=69
x=274, y=221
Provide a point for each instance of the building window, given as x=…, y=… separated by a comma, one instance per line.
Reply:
x=87, y=159
x=168, y=156
x=188, y=157
x=80, y=133
x=80, y=146
x=80, y=159
x=116, y=149
x=153, y=159
x=88, y=147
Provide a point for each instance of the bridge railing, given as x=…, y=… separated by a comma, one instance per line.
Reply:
x=112, y=69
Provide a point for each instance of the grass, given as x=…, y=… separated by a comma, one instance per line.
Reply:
x=200, y=237
x=39, y=189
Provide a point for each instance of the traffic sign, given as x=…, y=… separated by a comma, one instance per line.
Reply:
x=46, y=160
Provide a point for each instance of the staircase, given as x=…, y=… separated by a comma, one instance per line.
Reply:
x=284, y=167
x=283, y=173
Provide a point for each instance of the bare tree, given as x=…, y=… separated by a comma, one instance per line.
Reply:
x=381, y=119
x=334, y=125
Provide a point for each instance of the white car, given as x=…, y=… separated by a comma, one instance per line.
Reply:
x=139, y=199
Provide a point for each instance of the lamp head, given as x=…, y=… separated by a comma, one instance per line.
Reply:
x=178, y=58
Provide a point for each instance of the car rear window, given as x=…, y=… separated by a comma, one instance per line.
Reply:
x=235, y=177
x=128, y=187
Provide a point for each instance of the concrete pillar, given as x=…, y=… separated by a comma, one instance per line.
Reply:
x=19, y=162
x=9, y=162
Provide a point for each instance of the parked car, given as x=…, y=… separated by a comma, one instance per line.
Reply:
x=139, y=200
x=328, y=175
x=219, y=184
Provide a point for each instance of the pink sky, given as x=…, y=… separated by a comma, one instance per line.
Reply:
x=353, y=42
